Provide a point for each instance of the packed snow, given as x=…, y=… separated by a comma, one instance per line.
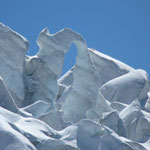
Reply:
x=99, y=104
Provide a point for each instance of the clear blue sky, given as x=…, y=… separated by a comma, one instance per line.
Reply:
x=119, y=28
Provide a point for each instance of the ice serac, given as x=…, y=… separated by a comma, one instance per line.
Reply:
x=101, y=106
x=13, y=48
x=107, y=67
x=133, y=84
x=136, y=121
x=84, y=91
x=114, y=122
x=45, y=67
x=102, y=138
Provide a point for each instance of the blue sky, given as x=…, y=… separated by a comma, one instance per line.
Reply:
x=118, y=28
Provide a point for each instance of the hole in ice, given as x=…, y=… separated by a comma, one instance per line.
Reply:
x=69, y=59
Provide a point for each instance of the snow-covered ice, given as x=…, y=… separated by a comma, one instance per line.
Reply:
x=99, y=104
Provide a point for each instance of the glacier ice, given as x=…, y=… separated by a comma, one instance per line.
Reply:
x=99, y=104
x=54, y=120
x=107, y=67
x=118, y=88
x=83, y=95
x=13, y=48
x=6, y=100
x=114, y=122
x=36, y=109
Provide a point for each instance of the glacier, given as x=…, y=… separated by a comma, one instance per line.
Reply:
x=99, y=104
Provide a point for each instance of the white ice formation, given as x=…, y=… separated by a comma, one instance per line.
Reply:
x=13, y=48
x=99, y=104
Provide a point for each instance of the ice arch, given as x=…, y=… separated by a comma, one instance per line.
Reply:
x=45, y=67
x=85, y=86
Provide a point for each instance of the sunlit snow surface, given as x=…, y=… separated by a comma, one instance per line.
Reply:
x=99, y=104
